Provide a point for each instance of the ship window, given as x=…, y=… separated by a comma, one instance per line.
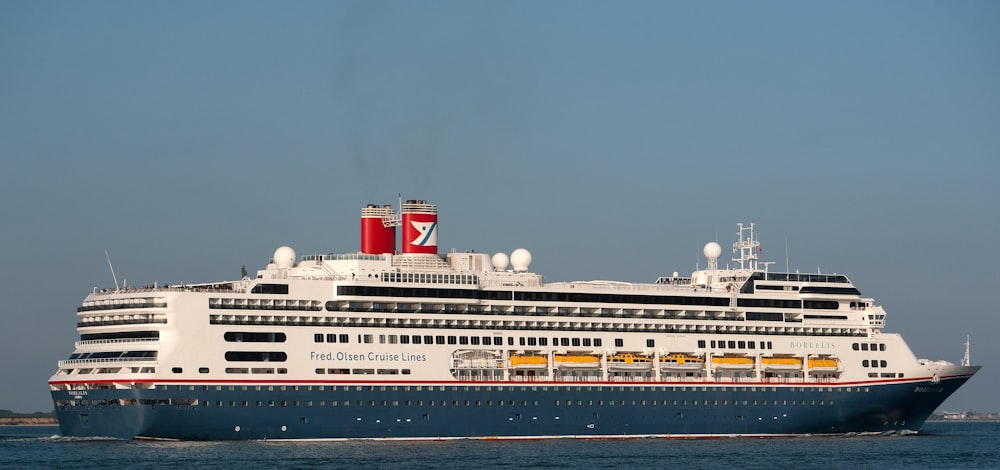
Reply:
x=864, y=363
x=742, y=344
x=254, y=337
x=318, y=338
x=619, y=342
x=712, y=342
x=881, y=347
x=821, y=304
x=123, y=335
x=650, y=343
x=883, y=364
x=381, y=339
x=855, y=346
x=597, y=342
x=452, y=340
x=463, y=340
x=428, y=339
x=270, y=289
x=405, y=339
x=343, y=338
x=473, y=340
x=203, y=370
x=127, y=354
x=769, y=345
x=701, y=343
x=256, y=356
x=487, y=340
x=367, y=339
x=393, y=339
x=522, y=341
x=177, y=370
x=576, y=341
x=864, y=346
x=541, y=342
x=732, y=345
x=439, y=339
x=532, y=341
x=331, y=338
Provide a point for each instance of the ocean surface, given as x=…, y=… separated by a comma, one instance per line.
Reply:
x=939, y=445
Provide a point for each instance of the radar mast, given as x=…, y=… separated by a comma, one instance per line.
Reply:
x=747, y=247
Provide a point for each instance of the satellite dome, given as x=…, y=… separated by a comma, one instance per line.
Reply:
x=500, y=261
x=284, y=257
x=520, y=259
x=712, y=250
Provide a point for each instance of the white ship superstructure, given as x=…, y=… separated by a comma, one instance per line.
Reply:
x=380, y=344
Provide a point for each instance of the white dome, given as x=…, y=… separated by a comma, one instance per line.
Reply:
x=712, y=250
x=500, y=261
x=284, y=257
x=520, y=259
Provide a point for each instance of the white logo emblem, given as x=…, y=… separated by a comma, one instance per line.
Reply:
x=428, y=233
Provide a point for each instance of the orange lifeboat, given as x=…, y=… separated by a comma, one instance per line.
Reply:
x=528, y=361
x=680, y=361
x=577, y=361
x=628, y=361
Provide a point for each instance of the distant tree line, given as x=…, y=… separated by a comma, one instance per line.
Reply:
x=37, y=414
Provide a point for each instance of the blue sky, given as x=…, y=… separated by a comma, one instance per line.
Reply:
x=611, y=139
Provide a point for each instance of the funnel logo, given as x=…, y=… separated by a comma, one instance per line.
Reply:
x=428, y=233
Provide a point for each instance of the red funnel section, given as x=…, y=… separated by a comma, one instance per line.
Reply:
x=376, y=238
x=419, y=227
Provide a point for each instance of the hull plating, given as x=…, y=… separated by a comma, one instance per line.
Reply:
x=478, y=410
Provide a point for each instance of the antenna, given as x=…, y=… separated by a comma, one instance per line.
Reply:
x=965, y=360
x=112, y=268
x=787, y=269
x=393, y=219
x=747, y=247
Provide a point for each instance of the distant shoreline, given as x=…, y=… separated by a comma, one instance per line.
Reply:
x=973, y=420
x=28, y=421
x=964, y=417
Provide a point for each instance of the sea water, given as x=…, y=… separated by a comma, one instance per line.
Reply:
x=950, y=445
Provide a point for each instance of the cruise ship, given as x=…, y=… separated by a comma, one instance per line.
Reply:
x=401, y=342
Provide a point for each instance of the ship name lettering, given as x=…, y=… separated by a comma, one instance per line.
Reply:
x=372, y=356
x=342, y=356
x=315, y=356
x=813, y=345
x=407, y=357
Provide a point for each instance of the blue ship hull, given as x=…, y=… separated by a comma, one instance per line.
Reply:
x=497, y=410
